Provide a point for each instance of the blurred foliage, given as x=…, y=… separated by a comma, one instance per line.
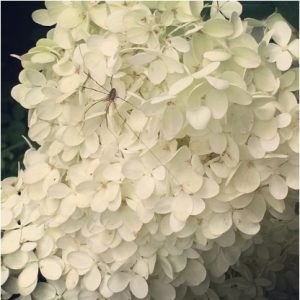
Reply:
x=14, y=117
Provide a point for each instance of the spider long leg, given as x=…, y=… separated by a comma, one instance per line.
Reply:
x=126, y=101
x=88, y=75
x=94, y=80
x=153, y=154
x=103, y=100
x=110, y=83
x=106, y=113
x=106, y=120
x=88, y=88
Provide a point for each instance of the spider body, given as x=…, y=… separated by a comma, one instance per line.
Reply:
x=112, y=95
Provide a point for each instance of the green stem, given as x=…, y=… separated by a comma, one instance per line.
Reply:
x=13, y=147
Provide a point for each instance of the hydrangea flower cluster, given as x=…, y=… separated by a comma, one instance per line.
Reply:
x=164, y=139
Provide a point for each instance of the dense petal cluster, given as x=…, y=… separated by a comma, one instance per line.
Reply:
x=164, y=138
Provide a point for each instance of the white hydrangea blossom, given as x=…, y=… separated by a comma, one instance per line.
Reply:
x=154, y=192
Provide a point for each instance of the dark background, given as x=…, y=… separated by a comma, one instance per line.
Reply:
x=20, y=33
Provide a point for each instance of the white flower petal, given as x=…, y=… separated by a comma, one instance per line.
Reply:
x=220, y=169
x=124, y=251
x=72, y=136
x=246, y=57
x=34, y=96
x=218, y=28
x=256, y=209
x=283, y=120
x=47, y=110
x=39, y=131
x=218, y=143
x=69, y=18
x=157, y=72
x=217, y=83
x=138, y=35
x=172, y=121
x=166, y=267
x=293, y=47
x=278, y=187
x=198, y=115
x=209, y=188
x=141, y=59
x=99, y=203
x=195, y=273
x=229, y=7
x=159, y=173
x=118, y=281
x=58, y=190
x=92, y=279
x=255, y=148
x=264, y=79
x=43, y=58
x=265, y=112
x=10, y=242
x=72, y=279
x=217, y=102
x=272, y=52
x=63, y=38
x=175, y=224
x=218, y=206
x=270, y=144
x=208, y=69
x=217, y=55
x=284, y=61
x=67, y=206
x=133, y=169
x=51, y=267
x=110, y=45
x=180, y=44
x=44, y=291
x=180, y=85
x=198, y=205
x=219, y=223
x=80, y=260
x=114, y=21
x=196, y=7
x=246, y=179
x=138, y=287
x=277, y=205
x=6, y=217
x=243, y=224
x=182, y=206
x=69, y=84
x=160, y=290
x=32, y=232
x=45, y=246
x=265, y=129
x=29, y=275
x=237, y=95
x=112, y=172
x=292, y=179
x=35, y=77
x=144, y=187
x=42, y=17
x=90, y=145
x=16, y=260
x=282, y=33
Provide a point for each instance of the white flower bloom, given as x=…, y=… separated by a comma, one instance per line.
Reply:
x=283, y=51
x=166, y=142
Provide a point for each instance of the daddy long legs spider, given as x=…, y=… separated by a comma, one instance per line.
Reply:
x=110, y=97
